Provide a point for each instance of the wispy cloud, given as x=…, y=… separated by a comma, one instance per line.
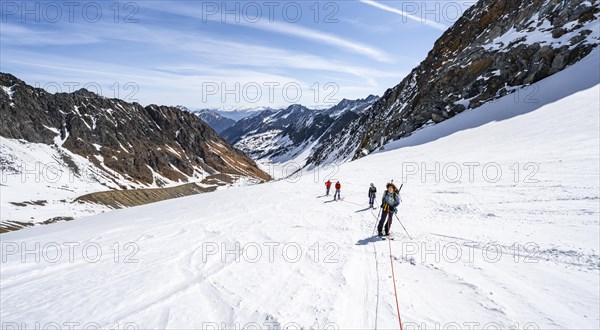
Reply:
x=21, y=35
x=162, y=85
x=369, y=26
x=183, y=83
x=294, y=30
x=217, y=53
x=434, y=25
x=324, y=38
x=236, y=53
x=170, y=62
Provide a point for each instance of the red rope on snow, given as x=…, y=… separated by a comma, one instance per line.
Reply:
x=392, y=264
x=394, y=279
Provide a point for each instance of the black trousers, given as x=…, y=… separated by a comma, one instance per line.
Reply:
x=385, y=215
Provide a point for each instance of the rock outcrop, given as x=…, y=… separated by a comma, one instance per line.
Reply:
x=149, y=146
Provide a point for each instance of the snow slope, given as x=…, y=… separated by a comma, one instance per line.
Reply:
x=580, y=76
x=520, y=251
x=38, y=172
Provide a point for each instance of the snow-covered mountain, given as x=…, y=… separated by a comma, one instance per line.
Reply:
x=240, y=112
x=496, y=48
x=57, y=147
x=275, y=133
x=355, y=106
x=515, y=251
x=214, y=119
x=282, y=135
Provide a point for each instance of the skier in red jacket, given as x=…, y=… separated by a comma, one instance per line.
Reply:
x=338, y=188
x=328, y=186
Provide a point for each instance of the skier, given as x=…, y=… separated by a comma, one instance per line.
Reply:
x=372, y=193
x=328, y=186
x=338, y=188
x=389, y=203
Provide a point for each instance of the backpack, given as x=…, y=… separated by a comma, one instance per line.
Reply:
x=394, y=194
x=372, y=191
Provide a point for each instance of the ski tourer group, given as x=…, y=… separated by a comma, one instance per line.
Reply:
x=338, y=189
x=389, y=203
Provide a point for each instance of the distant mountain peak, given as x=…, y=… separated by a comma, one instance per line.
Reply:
x=280, y=135
x=214, y=119
x=183, y=108
x=83, y=92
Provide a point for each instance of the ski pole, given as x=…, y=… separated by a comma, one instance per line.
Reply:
x=376, y=220
x=403, y=226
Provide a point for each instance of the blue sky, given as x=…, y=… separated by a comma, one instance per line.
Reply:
x=221, y=53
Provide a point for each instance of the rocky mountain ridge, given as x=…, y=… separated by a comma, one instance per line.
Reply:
x=136, y=146
x=496, y=48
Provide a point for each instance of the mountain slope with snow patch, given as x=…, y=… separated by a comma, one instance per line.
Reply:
x=57, y=147
x=495, y=48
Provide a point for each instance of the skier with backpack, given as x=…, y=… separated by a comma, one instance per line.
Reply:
x=327, y=186
x=372, y=193
x=337, y=193
x=389, y=204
